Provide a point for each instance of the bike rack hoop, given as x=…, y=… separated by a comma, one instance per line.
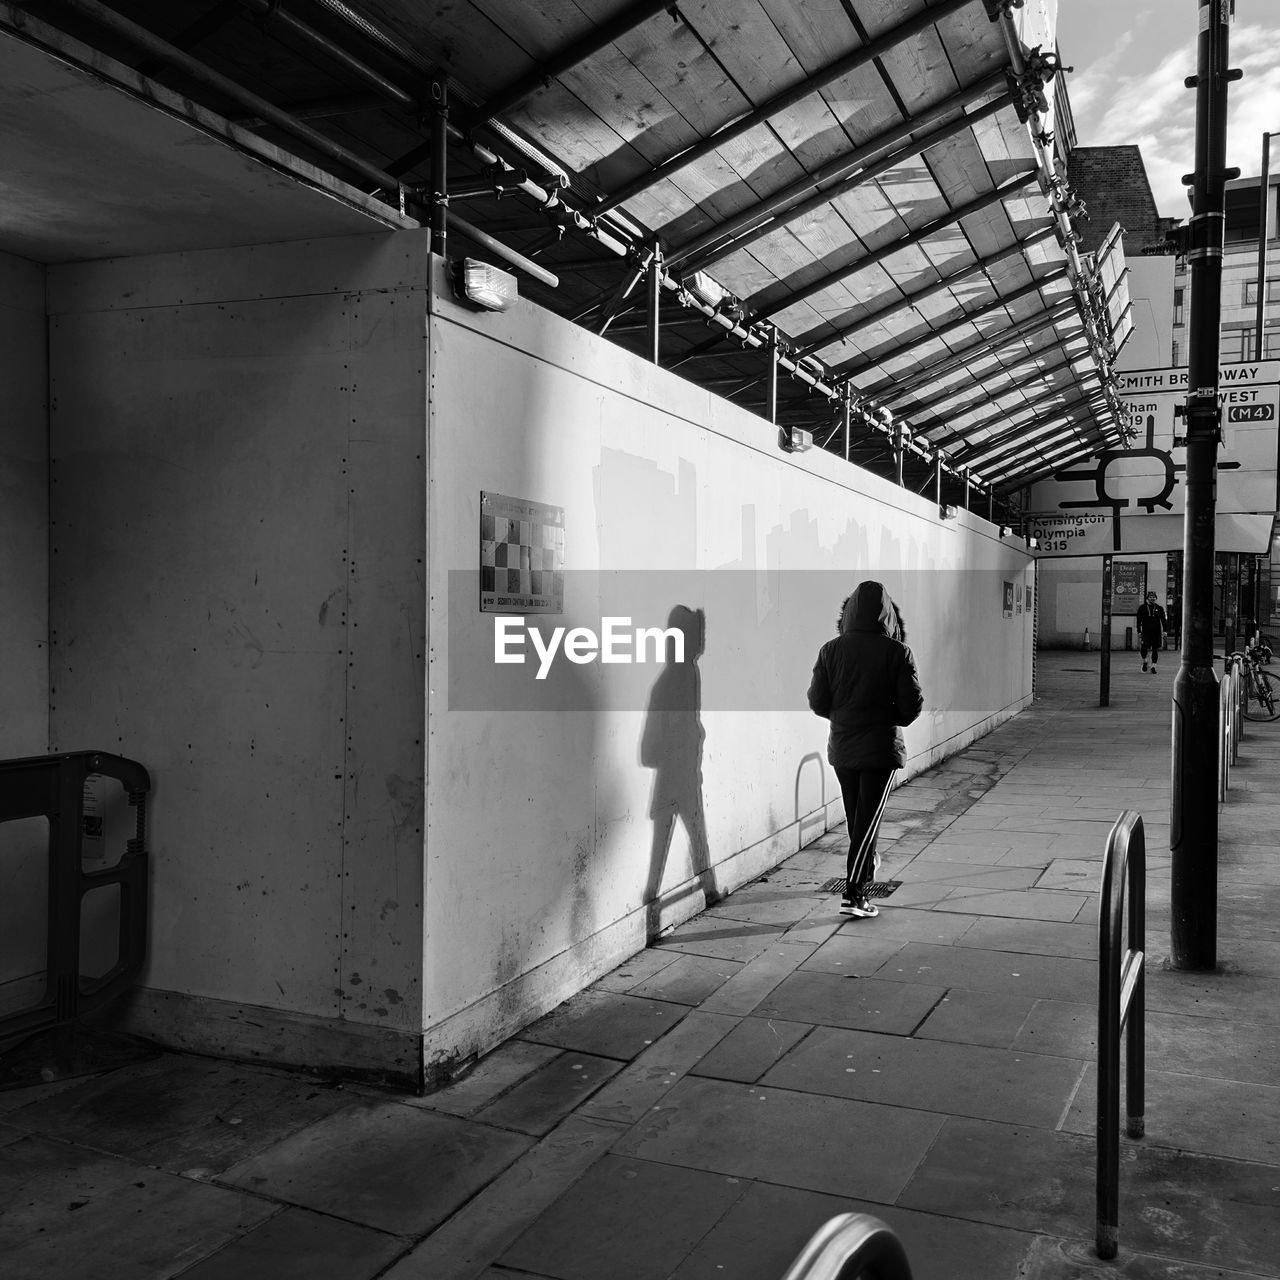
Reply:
x=1121, y=1011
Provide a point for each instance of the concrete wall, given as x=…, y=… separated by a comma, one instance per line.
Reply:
x=24, y=617
x=546, y=824
x=238, y=603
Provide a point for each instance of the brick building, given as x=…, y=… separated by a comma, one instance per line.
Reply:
x=1112, y=182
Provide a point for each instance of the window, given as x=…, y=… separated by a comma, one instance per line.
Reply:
x=1251, y=291
x=1178, y=317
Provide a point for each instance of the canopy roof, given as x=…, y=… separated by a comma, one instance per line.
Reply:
x=852, y=216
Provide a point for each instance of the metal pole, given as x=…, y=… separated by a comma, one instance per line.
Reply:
x=846, y=412
x=439, y=167
x=1262, y=247
x=1193, y=819
x=653, y=320
x=1104, y=667
x=899, y=451
x=772, y=407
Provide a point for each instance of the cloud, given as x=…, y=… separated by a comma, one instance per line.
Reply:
x=1156, y=112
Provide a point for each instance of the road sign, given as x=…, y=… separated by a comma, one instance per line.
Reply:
x=1132, y=498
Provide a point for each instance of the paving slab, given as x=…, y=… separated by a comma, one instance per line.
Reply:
x=540, y=1101
x=744, y=991
x=976, y=969
x=645, y=1083
x=187, y=1115
x=1024, y=904
x=856, y=953
x=977, y=1017
x=608, y=1023
x=1200, y=1209
x=727, y=939
x=760, y=1235
x=73, y=1214
x=1033, y=937
x=837, y=1145
x=1052, y=1259
x=604, y=1225
x=688, y=979
x=954, y=1079
x=384, y=1165
x=867, y=1004
x=299, y=1245
x=493, y=1075
x=482, y=1229
x=1218, y=1118
x=750, y=1049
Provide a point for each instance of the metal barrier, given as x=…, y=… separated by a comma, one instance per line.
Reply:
x=1120, y=1006
x=53, y=787
x=1230, y=721
x=852, y=1245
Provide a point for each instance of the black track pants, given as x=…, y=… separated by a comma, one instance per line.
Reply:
x=865, y=792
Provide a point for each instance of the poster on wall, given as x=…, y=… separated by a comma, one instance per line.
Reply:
x=1008, y=599
x=521, y=555
x=1128, y=585
x=1133, y=498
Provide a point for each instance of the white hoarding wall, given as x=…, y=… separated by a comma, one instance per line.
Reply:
x=568, y=817
x=237, y=602
x=1131, y=500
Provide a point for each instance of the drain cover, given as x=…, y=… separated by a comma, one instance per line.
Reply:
x=878, y=889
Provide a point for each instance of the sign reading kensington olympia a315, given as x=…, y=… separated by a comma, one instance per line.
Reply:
x=1132, y=498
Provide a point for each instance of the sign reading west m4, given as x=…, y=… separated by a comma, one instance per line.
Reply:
x=1081, y=510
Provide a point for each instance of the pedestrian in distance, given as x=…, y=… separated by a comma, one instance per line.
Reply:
x=1152, y=625
x=865, y=683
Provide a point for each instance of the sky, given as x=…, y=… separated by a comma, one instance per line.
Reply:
x=1130, y=59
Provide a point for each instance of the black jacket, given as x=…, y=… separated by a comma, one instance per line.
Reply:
x=1151, y=621
x=865, y=683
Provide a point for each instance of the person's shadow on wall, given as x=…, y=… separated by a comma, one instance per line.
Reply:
x=671, y=745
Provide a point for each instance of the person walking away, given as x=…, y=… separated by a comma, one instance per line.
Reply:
x=1152, y=625
x=866, y=684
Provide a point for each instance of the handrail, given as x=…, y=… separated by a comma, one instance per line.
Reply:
x=1121, y=1003
x=851, y=1245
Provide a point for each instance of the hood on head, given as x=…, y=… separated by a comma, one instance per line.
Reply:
x=869, y=608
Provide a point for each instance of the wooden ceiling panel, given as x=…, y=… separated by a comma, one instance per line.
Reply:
x=625, y=104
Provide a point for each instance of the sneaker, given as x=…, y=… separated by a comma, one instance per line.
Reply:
x=1153, y=668
x=1144, y=666
x=860, y=907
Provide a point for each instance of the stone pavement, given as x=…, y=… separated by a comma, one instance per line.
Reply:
x=701, y=1110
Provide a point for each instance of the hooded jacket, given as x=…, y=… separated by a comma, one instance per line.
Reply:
x=865, y=683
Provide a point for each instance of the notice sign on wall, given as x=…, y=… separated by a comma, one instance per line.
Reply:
x=1133, y=498
x=1128, y=585
x=521, y=555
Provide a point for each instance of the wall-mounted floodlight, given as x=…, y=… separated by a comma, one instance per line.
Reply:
x=705, y=289
x=1006, y=531
x=485, y=285
x=947, y=511
x=794, y=440
x=1032, y=543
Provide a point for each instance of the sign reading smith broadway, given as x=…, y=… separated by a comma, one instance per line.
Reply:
x=1133, y=499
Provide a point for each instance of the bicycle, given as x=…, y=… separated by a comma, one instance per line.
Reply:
x=1261, y=689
